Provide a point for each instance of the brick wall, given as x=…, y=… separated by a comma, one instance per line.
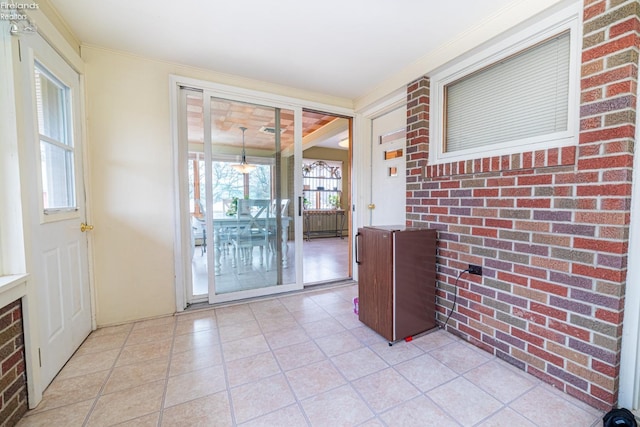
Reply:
x=13, y=383
x=549, y=227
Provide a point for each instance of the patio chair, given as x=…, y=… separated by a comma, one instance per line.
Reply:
x=251, y=230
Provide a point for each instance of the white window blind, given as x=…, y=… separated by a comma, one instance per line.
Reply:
x=522, y=96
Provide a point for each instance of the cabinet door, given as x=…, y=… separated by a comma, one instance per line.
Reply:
x=415, y=282
x=375, y=280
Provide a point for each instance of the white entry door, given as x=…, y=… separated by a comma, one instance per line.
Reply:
x=54, y=202
x=388, y=168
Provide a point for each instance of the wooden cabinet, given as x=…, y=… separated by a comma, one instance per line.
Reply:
x=397, y=280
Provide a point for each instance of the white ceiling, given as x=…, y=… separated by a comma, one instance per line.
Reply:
x=343, y=48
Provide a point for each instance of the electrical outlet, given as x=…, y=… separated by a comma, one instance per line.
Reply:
x=475, y=269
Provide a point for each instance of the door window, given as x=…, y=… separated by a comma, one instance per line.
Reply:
x=56, y=143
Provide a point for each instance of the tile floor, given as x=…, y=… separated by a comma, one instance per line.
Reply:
x=299, y=360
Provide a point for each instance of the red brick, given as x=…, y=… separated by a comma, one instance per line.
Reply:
x=602, y=218
x=553, y=157
x=626, y=131
x=614, y=204
x=548, y=287
x=609, y=316
x=591, y=123
x=485, y=232
x=532, y=226
x=622, y=73
x=442, y=210
x=525, y=336
x=616, y=247
x=450, y=184
x=572, y=331
x=591, y=95
x=546, y=333
x=468, y=330
x=618, y=88
x=501, y=182
x=512, y=278
x=598, y=273
x=604, y=190
x=498, y=223
x=603, y=368
x=487, y=311
x=588, y=399
x=602, y=394
x=563, y=191
x=482, y=212
x=551, y=358
x=468, y=313
x=568, y=155
x=485, y=192
x=515, y=192
x=471, y=296
x=534, y=203
x=535, y=179
x=500, y=203
x=448, y=219
x=614, y=46
x=467, y=220
x=548, y=311
x=590, y=150
x=439, y=193
x=631, y=24
x=11, y=361
x=615, y=147
x=530, y=271
x=594, y=10
x=527, y=315
x=618, y=175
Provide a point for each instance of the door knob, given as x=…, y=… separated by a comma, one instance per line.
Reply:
x=85, y=227
x=371, y=206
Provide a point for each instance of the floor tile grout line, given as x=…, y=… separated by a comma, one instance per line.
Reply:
x=106, y=380
x=232, y=413
x=168, y=371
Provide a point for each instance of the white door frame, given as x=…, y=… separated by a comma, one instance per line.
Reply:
x=361, y=160
x=14, y=282
x=182, y=245
x=629, y=389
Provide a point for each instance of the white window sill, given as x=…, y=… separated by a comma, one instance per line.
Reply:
x=12, y=288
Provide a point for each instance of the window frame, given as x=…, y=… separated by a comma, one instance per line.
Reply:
x=568, y=19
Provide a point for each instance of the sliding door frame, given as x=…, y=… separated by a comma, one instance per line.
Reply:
x=182, y=241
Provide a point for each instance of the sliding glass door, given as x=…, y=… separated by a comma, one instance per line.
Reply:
x=242, y=187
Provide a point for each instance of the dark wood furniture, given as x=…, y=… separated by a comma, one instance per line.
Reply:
x=397, y=280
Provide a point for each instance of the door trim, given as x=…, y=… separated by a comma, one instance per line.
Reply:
x=361, y=155
x=629, y=389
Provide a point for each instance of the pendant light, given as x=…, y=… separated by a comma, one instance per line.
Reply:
x=243, y=167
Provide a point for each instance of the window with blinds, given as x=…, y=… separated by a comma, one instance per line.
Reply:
x=522, y=96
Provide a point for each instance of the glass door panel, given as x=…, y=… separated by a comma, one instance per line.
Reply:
x=197, y=180
x=250, y=162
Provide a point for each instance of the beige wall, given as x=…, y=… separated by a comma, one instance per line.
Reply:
x=131, y=180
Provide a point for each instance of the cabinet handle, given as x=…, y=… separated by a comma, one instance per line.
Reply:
x=300, y=206
x=357, y=260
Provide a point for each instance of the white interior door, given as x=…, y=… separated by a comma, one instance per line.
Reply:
x=388, y=168
x=54, y=202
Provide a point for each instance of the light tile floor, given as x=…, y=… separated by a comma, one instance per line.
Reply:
x=296, y=360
